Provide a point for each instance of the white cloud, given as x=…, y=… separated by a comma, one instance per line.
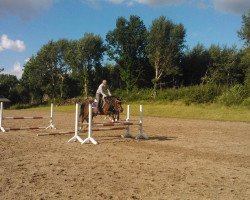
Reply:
x=92, y=3
x=233, y=6
x=15, y=45
x=203, y=4
x=24, y=9
x=116, y=1
x=26, y=60
x=160, y=2
x=148, y=2
x=16, y=70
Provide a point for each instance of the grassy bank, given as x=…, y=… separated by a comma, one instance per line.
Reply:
x=179, y=110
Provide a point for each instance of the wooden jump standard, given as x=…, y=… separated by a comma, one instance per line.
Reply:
x=2, y=129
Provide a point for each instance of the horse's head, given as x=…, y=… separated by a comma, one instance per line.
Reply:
x=118, y=105
x=114, y=103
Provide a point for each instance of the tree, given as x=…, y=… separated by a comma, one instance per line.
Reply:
x=33, y=80
x=84, y=56
x=7, y=85
x=225, y=66
x=1, y=69
x=44, y=73
x=245, y=61
x=50, y=57
x=165, y=45
x=244, y=32
x=126, y=46
x=195, y=64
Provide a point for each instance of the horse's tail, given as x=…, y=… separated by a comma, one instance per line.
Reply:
x=84, y=104
x=82, y=108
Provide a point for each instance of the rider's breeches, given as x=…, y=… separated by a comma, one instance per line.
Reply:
x=98, y=99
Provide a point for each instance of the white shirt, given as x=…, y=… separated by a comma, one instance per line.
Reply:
x=102, y=89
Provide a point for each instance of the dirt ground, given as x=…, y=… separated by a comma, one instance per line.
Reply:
x=183, y=159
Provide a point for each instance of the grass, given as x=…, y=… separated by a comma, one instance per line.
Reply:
x=201, y=111
x=178, y=110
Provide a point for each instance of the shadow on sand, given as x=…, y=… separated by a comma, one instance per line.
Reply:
x=156, y=137
x=162, y=138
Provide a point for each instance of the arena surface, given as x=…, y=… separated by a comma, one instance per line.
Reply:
x=183, y=159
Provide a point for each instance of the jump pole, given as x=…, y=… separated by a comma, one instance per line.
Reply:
x=141, y=134
x=127, y=134
x=1, y=117
x=51, y=125
x=89, y=138
x=76, y=137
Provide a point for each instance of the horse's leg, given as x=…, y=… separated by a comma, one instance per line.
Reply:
x=113, y=117
x=118, y=116
x=108, y=116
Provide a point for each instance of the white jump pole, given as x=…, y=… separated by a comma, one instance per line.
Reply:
x=89, y=138
x=141, y=134
x=1, y=117
x=76, y=136
x=51, y=125
x=127, y=134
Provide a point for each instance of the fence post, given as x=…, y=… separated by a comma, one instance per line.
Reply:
x=1, y=117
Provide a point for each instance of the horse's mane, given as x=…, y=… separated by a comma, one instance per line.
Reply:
x=109, y=98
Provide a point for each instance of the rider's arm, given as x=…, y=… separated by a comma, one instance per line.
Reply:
x=109, y=93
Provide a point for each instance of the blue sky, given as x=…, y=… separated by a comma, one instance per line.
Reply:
x=25, y=25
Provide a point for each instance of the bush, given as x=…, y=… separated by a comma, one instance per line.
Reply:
x=203, y=94
x=234, y=96
x=23, y=106
x=200, y=94
x=246, y=102
x=135, y=94
x=193, y=94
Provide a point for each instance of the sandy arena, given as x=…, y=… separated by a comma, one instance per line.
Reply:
x=183, y=159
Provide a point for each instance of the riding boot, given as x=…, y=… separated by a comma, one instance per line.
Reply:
x=99, y=108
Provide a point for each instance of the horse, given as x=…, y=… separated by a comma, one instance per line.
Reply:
x=112, y=106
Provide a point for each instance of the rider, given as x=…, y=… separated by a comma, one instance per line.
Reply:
x=102, y=91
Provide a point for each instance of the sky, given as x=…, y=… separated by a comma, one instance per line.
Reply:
x=26, y=25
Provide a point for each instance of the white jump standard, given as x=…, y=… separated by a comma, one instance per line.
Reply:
x=141, y=134
x=2, y=129
x=121, y=125
x=76, y=137
x=127, y=134
x=89, y=138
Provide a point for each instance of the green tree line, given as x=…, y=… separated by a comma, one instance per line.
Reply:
x=131, y=57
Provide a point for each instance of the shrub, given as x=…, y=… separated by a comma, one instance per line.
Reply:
x=203, y=94
x=193, y=94
x=246, y=102
x=234, y=96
